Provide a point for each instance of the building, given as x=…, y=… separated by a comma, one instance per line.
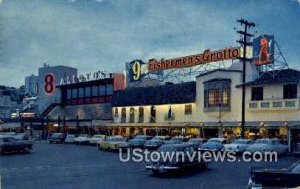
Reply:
x=212, y=105
x=31, y=85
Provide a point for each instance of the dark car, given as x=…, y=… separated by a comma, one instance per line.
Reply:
x=139, y=141
x=197, y=142
x=176, y=140
x=10, y=144
x=173, y=164
x=156, y=142
x=56, y=138
x=286, y=177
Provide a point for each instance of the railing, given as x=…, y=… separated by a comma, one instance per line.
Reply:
x=275, y=104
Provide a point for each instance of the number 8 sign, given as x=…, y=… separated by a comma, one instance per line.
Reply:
x=49, y=85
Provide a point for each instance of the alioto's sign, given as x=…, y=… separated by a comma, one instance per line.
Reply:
x=84, y=77
x=188, y=61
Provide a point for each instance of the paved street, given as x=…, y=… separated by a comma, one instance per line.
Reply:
x=83, y=167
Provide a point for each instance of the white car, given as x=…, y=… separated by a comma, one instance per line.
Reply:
x=239, y=145
x=96, y=138
x=82, y=139
x=214, y=144
x=268, y=145
x=70, y=138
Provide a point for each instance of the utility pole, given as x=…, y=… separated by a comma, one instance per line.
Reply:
x=244, y=41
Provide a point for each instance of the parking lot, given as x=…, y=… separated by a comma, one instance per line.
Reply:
x=76, y=166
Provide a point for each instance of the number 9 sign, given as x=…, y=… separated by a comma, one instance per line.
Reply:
x=49, y=85
x=135, y=70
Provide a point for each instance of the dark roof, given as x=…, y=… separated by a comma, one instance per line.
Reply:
x=281, y=77
x=157, y=95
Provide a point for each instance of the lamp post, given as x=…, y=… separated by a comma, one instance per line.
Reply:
x=286, y=126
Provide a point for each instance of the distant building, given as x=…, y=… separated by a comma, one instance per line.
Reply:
x=31, y=85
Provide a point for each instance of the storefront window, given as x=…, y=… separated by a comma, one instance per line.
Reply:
x=290, y=91
x=123, y=115
x=109, y=89
x=217, y=95
x=81, y=92
x=87, y=91
x=131, y=114
x=141, y=114
x=152, y=114
x=101, y=90
x=257, y=93
x=74, y=93
x=69, y=94
x=95, y=91
x=188, y=109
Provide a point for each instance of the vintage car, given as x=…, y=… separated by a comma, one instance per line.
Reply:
x=139, y=141
x=21, y=136
x=214, y=144
x=275, y=178
x=268, y=145
x=82, y=139
x=238, y=146
x=70, y=138
x=112, y=143
x=173, y=164
x=96, y=138
x=56, y=138
x=176, y=140
x=196, y=142
x=10, y=144
x=156, y=142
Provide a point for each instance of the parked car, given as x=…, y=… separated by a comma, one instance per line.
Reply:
x=139, y=141
x=268, y=145
x=197, y=142
x=214, y=144
x=172, y=164
x=56, y=138
x=10, y=144
x=21, y=136
x=82, y=139
x=156, y=142
x=176, y=140
x=112, y=143
x=238, y=146
x=70, y=138
x=96, y=138
x=271, y=178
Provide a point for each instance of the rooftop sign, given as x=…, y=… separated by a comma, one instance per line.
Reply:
x=188, y=61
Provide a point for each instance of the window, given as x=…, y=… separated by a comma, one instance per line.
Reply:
x=141, y=114
x=188, y=109
x=69, y=94
x=101, y=90
x=81, y=93
x=290, y=91
x=257, y=93
x=216, y=96
x=152, y=114
x=109, y=89
x=116, y=113
x=74, y=93
x=87, y=91
x=123, y=115
x=131, y=115
x=95, y=91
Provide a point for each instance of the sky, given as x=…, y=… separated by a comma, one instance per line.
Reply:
x=96, y=35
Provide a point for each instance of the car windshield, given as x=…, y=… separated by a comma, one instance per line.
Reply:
x=195, y=140
x=240, y=142
x=296, y=169
x=157, y=138
x=177, y=139
x=70, y=136
x=8, y=139
x=141, y=137
x=56, y=134
x=83, y=135
x=97, y=136
x=261, y=141
x=214, y=140
x=115, y=139
x=169, y=149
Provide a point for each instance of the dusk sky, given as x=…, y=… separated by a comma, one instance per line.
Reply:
x=94, y=35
